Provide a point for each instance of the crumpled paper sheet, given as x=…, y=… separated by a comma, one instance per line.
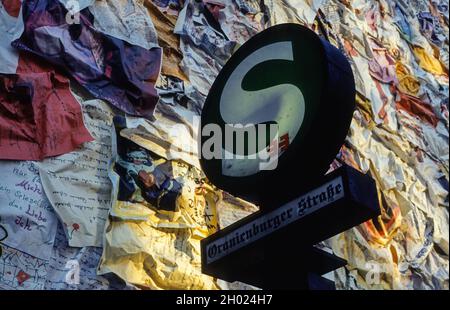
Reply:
x=77, y=183
x=164, y=24
x=193, y=25
x=127, y=20
x=75, y=268
x=173, y=134
x=25, y=212
x=40, y=117
x=121, y=73
x=160, y=249
x=21, y=271
x=11, y=26
x=292, y=11
x=237, y=26
x=167, y=137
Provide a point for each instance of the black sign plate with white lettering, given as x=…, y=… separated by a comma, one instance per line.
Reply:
x=285, y=235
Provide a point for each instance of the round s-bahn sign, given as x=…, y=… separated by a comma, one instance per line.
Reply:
x=276, y=115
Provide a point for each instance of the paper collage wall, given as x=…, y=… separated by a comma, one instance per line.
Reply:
x=100, y=184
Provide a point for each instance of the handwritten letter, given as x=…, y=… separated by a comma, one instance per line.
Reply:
x=25, y=212
x=77, y=183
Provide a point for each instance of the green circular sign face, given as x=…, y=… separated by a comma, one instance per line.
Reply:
x=276, y=115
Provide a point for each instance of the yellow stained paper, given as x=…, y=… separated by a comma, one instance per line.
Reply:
x=156, y=249
x=408, y=83
x=428, y=62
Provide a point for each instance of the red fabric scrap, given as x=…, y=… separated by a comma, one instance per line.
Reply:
x=12, y=7
x=415, y=107
x=39, y=116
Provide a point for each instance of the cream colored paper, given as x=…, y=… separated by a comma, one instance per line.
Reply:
x=77, y=183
